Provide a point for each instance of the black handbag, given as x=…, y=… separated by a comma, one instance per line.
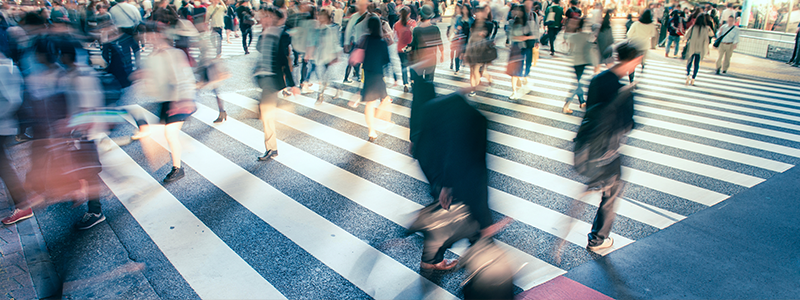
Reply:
x=685, y=49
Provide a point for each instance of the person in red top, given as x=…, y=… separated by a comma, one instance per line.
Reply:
x=403, y=29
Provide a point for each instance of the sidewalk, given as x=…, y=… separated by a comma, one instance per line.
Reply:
x=15, y=279
x=742, y=248
x=742, y=65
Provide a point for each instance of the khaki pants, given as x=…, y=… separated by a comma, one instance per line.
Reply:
x=654, y=40
x=726, y=51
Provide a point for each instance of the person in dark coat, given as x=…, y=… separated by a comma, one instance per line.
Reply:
x=608, y=118
x=451, y=150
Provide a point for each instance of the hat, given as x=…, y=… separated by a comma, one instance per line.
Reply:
x=426, y=12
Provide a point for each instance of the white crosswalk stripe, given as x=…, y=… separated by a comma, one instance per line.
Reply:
x=693, y=147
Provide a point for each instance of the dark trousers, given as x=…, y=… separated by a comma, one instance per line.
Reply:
x=695, y=58
x=356, y=71
x=9, y=175
x=246, y=31
x=303, y=67
x=795, y=60
x=604, y=219
x=552, y=33
x=218, y=37
x=404, y=66
x=527, y=54
x=129, y=47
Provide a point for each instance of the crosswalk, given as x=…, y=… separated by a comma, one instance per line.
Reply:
x=337, y=206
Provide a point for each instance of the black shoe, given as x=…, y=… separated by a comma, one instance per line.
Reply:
x=717, y=72
x=269, y=154
x=405, y=88
x=89, y=220
x=724, y=72
x=175, y=174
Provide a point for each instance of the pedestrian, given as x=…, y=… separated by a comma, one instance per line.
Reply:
x=555, y=15
x=128, y=20
x=580, y=49
x=697, y=46
x=795, y=60
x=168, y=77
x=11, y=97
x=426, y=39
x=210, y=71
x=728, y=12
x=269, y=76
x=389, y=11
x=403, y=30
x=480, y=48
x=729, y=35
x=215, y=16
x=355, y=29
x=519, y=34
x=304, y=24
x=324, y=50
x=247, y=20
x=658, y=14
x=373, y=94
x=640, y=34
x=459, y=34
x=629, y=23
x=165, y=13
x=530, y=50
x=230, y=20
x=605, y=38
x=608, y=119
x=674, y=27
x=451, y=150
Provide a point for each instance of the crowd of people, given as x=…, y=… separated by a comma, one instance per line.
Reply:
x=59, y=96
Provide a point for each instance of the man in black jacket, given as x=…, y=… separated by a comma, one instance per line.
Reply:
x=608, y=118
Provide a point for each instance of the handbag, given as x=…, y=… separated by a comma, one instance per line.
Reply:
x=489, y=270
x=685, y=49
x=247, y=19
x=718, y=41
x=357, y=55
x=482, y=52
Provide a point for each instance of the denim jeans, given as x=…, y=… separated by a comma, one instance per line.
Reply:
x=218, y=39
x=696, y=59
x=676, y=40
x=404, y=66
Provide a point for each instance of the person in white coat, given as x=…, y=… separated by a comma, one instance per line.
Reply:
x=640, y=34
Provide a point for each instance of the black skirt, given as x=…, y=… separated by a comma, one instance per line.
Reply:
x=374, y=86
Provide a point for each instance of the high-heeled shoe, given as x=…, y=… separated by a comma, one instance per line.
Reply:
x=688, y=79
x=691, y=82
x=372, y=139
x=223, y=115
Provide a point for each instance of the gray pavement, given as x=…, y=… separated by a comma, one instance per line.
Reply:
x=317, y=220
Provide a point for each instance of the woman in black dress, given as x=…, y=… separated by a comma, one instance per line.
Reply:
x=376, y=56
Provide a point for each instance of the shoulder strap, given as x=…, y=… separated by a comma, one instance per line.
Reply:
x=127, y=15
x=726, y=33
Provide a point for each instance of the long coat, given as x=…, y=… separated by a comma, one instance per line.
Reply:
x=698, y=40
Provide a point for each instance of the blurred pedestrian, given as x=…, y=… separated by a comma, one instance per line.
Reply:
x=246, y=22
x=324, y=50
x=269, y=75
x=641, y=34
x=215, y=16
x=674, y=27
x=373, y=94
x=580, y=49
x=553, y=20
x=605, y=40
x=519, y=34
x=425, y=42
x=128, y=20
x=608, y=119
x=480, y=48
x=11, y=88
x=460, y=35
x=403, y=30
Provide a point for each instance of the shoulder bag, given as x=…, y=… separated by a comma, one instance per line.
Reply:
x=718, y=41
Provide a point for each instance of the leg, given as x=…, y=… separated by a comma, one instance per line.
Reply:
x=403, y=66
x=696, y=60
x=218, y=30
x=535, y=54
x=244, y=39
x=728, y=54
x=527, y=54
x=720, y=55
x=474, y=75
x=347, y=72
x=369, y=117
x=268, y=106
x=10, y=177
x=551, y=38
x=171, y=132
x=604, y=219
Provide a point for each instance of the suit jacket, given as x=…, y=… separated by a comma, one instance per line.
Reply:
x=451, y=150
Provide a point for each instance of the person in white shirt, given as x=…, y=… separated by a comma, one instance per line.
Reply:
x=215, y=16
x=127, y=17
x=728, y=12
x=337, y=13
x=728, y=44
x=641, y=33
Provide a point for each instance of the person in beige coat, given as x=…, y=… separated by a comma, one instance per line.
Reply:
x=640, y=34
x=697, y=39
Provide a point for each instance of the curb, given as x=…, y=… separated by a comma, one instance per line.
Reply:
x=42, y=270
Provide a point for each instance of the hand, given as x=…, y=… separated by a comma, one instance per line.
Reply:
x=446, y=197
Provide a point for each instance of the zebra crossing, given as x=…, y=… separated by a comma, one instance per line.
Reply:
x=337, y=206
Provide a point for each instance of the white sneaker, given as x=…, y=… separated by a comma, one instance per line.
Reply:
x=607, y=243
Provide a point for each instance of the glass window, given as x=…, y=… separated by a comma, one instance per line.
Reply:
x=774, y=15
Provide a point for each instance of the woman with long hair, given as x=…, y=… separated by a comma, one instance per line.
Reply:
x=403, y=29
x=640, y=34
x=460, y=28
x=324, y=50
x=605, y=38
x=477, y=45
x=518, y=34
x=376, y=56
x=697, y=46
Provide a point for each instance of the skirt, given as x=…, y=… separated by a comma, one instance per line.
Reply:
x=514, y=67
x=374, y=87
x=228, y=23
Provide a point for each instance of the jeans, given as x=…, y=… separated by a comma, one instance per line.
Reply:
x=130, y=47
x=552, y=32
x=404, y=66
x=527, y=54
x=218, y=39
x=247, y=31
x=303, y=68
x=696, y=59
x=579, y=89
x=673, y=39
